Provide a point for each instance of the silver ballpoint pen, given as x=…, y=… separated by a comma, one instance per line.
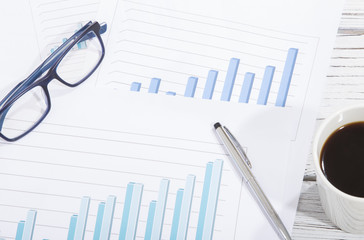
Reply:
x=237, y=154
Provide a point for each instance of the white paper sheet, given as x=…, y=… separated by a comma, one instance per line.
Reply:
x=103, y=141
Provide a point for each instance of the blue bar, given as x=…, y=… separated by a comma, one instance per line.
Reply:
x=107, y=218
x=286, y=77
x=135, y=86
x=64, y=40
x=212, y=199
x=151, y=213
x=20, y=230
x=176, y=214
x=265, y=87
x=29, y=225
x=204, y=199
x=72, y=228
x=154, y=85
x=82, y=218
x=134, y=211
x=191, y=87
x=160, y=209
x=247, y=87
x=230, y=79
x=81, y=45
x=171, y=93
x=186, y=207
x=100, y=215
x=126, y=211
x=210, y=84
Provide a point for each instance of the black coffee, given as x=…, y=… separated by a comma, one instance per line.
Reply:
x=342, y=159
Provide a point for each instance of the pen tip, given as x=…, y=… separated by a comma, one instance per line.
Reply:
x=216, y=125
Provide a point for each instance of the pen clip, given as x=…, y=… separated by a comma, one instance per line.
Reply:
x=239, y=147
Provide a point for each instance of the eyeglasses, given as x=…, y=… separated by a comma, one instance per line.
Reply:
x=28, y=103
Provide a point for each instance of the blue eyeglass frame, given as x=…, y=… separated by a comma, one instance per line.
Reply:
x=88, y=31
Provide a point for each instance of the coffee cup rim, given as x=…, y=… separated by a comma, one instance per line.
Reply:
x=315, y=152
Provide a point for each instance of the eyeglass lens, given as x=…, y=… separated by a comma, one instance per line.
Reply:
x=82, y=59
x=24, y=113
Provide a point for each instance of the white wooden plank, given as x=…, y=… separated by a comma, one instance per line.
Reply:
x=352, y=61
x=347, y=54
x=311, y=221
x=348, y=41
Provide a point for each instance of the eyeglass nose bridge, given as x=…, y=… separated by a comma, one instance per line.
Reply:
x=43, y=81
x=49, y=77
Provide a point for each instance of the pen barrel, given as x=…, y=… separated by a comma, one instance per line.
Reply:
x=234, y=154
x=268, y=209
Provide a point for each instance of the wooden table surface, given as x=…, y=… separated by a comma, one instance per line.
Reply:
x=345, y=87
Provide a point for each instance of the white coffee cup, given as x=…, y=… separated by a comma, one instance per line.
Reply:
x=344, y=210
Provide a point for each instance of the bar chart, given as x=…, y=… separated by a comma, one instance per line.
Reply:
x=155, y=221
x=230, y=80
